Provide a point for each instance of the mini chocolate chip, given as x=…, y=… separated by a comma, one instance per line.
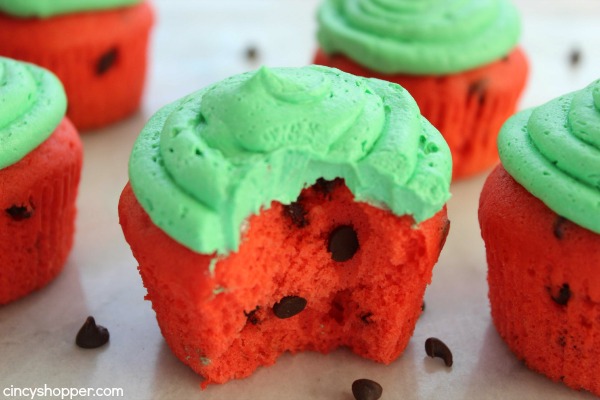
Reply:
x=91, y=336
x=252, y=317
x=434, y=347
x=479, y=88
x=343, y=243
x=366, y=318
x=19, y=213
x=366, y=389
x=106, y=61
x=326, y=187
x=575, y=57
x=297, y=213
x=563, y=296
x=251, y=53
x=289, y=306
x=558, y=227
x=423, y=306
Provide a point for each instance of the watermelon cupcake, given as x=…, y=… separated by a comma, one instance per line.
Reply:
x=286, y=210
x=97, y=49
x=40, y=164
x=539, y=213
x=459, y=60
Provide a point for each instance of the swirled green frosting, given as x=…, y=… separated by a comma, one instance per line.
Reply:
x=32, y=104
x=205, y=163
x=554, y=152
x=419, y=37
x=49, y=8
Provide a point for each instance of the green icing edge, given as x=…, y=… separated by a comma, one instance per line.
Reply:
x=407, y=169
x=50, y=8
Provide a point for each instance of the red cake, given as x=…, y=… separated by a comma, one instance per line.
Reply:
x=316, y=267
x=540, y=220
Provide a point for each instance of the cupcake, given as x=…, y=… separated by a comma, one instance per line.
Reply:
x=40, y=164
x=539, y=213
x=97, y=49
x=459, y=60
x=286, y=210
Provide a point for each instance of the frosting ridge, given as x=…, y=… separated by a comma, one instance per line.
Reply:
x=554, y=152
x=205, y=163
x=33, y=104
x=419, y=37
x=49, y=8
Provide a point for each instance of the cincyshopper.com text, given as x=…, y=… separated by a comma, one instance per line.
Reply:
x=61, y=393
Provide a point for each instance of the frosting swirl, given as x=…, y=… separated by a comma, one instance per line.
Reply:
x=33, y=104
x=205, y=163
x=554, y=152
x=419, y=37
x=49, y=8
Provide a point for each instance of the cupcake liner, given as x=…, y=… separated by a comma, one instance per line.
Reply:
x=99, y=56
x=468, y=108
x=37, y=213
x=544, y=286
x=221, y=319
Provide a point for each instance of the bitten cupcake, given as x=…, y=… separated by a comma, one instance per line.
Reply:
x=459, y=60
x=540, y=219
x=40, y=164
x=286, y=210
x=96, y=47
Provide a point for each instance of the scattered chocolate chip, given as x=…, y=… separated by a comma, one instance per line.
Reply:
x=326, y=187
x=563, y=296
x=366, y=318
x=366, y=389
x=297, y=213
x=106, y=61
x=479, y=88
x=252, y=317
x=575, y=57
x=289, y=306
x=251, y=53
x=343, y=243
x=558, y=227
x=91, y=336
x=434, y=347
x=19, y=213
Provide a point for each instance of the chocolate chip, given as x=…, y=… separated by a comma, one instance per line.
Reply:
x=423, y=306
x=19, y=213
x=479, y=88
x=297, y=213
x=289, y=306
x=445, y=231
x=558, y=227
x=575, y=57
x=106, y=61
x=563, y=296
x=325, y=187
x=91, y=336
x=251, y=53
x=366, y=318
x=343, y=243
x=434, y=347
x=252, y=317
x=366, y=389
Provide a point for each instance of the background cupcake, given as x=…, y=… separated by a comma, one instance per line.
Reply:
x=540, y=220
x=98, y=49
x=459, y=60
x=40, y=163
x=248, y=246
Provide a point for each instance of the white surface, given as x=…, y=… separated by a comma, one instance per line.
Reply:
x=199, y=42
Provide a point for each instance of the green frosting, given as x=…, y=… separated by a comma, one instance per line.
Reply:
x=554, y=152
x=419, y=37
x=32, y=104
x=49, y=8
x=204, y=164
